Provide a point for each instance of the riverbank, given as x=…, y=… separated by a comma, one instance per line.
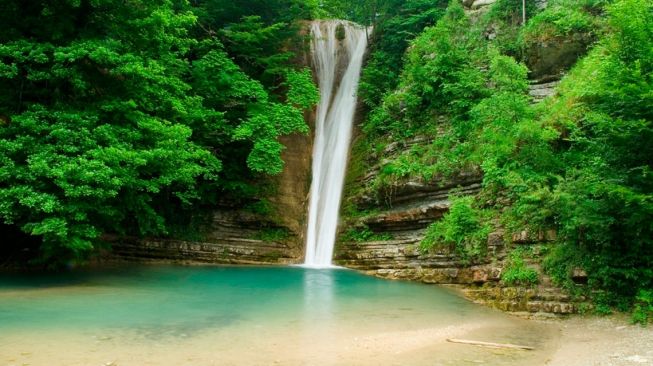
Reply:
x=570, y=342
x=601, y=341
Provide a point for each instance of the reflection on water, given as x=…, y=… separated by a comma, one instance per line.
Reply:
x=318, y=323
x=318, y=296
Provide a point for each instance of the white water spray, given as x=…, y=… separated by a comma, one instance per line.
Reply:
x=333, y=126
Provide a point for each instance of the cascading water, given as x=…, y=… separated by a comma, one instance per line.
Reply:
x=332, y=52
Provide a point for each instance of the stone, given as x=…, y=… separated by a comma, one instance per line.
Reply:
x=579, y=276
x=481, y=3
x=527, y=237
x=520, y=237
x=480, y=276
x=540, y=91
x=555, y=56
x=495, y=273
x=495, y=239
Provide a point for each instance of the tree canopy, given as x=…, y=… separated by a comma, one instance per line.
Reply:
x=115, y=115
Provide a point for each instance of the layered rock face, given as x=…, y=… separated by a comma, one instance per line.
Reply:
x=233, y=237
x=238, y=236
x=393, y=249
x=399, y=256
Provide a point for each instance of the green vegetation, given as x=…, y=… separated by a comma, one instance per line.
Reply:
x=401, y=21
x=643, y=313
x=516, y=272
x=132, y=118
x=559, y=19
x=273, y=234
x=464, y=229
x=578, y=163
x=361, y=234
x=126, y=117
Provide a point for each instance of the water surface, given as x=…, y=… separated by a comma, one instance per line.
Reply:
x=174, y=315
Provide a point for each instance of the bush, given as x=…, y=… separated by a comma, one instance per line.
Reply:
x=643, y=310
x=363, y=234
x=273, y=234
x=558, y=21
x=464, y=228
x=516, y=272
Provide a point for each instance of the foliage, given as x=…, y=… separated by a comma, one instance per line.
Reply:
x=517, y=272
x=603, y=202
x=510, y=11
x=559, y=19
x=362, y=234
x=464, y=228
x=397, y=24
x=441, y=75
x=643, y=313
x=128, y=126
x=560, y=263
x=504, y=20
x=261, y=207
x=273, y=234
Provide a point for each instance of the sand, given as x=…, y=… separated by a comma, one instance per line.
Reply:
x=602, y=341
x=577, y=341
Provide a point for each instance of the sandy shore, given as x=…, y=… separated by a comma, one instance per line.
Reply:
x=577, y=341
x=602, y=341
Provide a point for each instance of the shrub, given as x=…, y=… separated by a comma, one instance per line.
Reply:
x=363, y=234
x=560, y=19
x=464, y=227
x=643, y=310
x=273, y=234
x=516, y=272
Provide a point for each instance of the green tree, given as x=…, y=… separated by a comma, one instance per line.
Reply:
x=116, y=118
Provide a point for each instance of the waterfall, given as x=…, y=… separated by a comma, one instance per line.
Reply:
x=332, y=52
